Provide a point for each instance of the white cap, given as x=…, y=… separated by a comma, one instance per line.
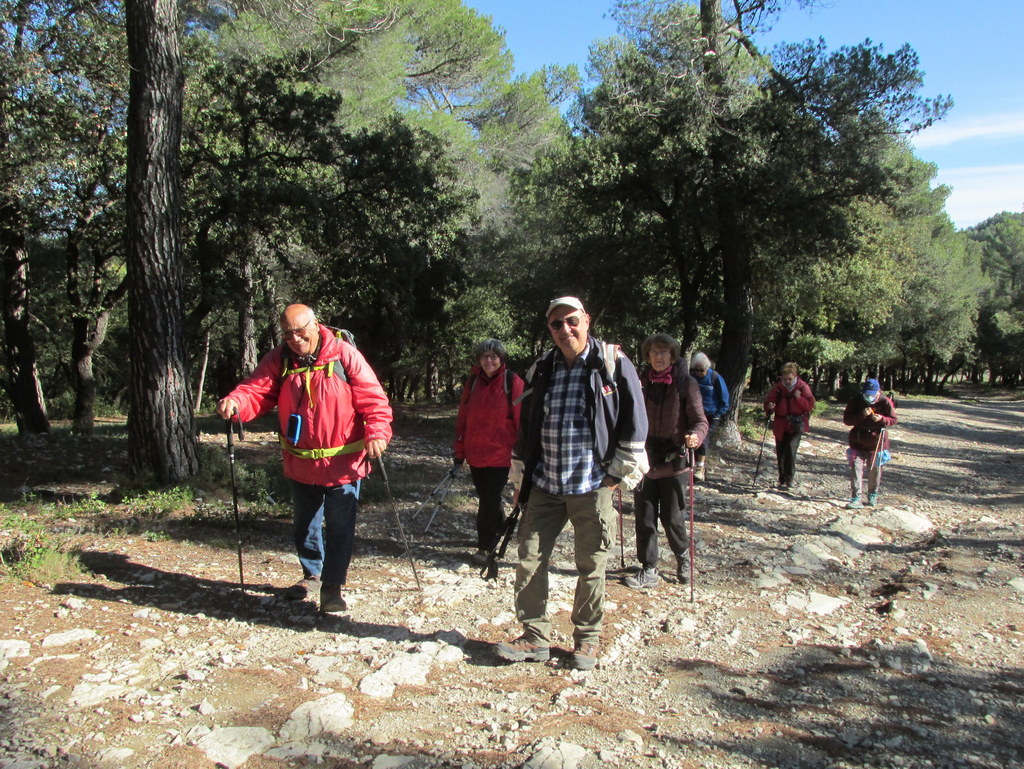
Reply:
x=565, y=301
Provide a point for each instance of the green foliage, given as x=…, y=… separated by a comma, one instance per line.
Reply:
x=89, y=505
x=158, y=503
x=1000, y=329
x=752, y=195
x=30, y=551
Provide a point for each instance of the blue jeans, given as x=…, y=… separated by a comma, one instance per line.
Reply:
x=325, y=529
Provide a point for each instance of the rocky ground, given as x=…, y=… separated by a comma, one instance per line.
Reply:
x=814, y=637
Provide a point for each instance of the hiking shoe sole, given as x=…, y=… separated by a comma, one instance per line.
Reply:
x=513, y=652
x=584, y=658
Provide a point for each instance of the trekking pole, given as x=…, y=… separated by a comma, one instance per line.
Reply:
x=438, y=496
x=622, y=539
x=490, y=568
x=234, y=490
x=760, y=453
x=874, y=458
x=398, y=518
x=691, y=460
x=874, y=454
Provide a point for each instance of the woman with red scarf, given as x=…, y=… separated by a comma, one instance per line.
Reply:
x=676, y=422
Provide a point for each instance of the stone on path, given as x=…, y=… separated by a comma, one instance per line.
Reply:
x=892, y=519
x=394, y=762
x=14, y=648
x=564, y=755
x=87, y=694
x=232, y=746
x=330, y=715
x=815, y=603
x=70, y=637
x=115, y=756
x=859, y=532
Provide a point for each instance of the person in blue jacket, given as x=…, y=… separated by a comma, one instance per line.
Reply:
x=715, y=394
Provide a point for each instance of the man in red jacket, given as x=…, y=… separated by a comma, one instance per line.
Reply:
x=334, y=417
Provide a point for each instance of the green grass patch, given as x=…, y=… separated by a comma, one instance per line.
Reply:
x=88, y=506
x=29, y=551
x=158, y=503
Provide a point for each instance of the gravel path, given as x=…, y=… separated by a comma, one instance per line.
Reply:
x=818, y=637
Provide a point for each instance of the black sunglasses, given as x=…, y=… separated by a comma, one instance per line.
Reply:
x=572, y=321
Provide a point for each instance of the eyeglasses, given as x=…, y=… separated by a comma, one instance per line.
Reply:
x=288, y=333
x=572, y=321
x=698, y=371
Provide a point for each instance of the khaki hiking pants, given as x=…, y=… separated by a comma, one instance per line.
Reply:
x=593, y=521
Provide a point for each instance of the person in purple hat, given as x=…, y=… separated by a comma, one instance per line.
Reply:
x=868, y=414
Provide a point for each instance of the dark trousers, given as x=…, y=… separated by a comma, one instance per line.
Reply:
x=325, y=529
x=661, y=499
x=489, y=483
x=785, y=455
x=701, y=451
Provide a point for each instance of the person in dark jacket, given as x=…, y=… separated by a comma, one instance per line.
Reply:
x=715, y=396
x=675, y=423
x=790, y=403
x=485, y=431
x=581, y=435
x=868, y=414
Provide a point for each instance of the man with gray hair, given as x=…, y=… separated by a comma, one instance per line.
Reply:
x=581, y=435
x=334, y=417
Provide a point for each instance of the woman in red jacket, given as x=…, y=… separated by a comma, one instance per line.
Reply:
x=790, y=403
x=485, y=432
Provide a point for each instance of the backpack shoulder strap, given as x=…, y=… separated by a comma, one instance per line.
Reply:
x=610, y=354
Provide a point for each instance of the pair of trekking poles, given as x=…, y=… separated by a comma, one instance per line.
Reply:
x=764, y=437
x=230, y=423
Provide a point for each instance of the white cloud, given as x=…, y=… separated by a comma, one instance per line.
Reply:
x=944, y=133
x=982, y=191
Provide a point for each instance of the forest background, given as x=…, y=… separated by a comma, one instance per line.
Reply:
x=172, y=174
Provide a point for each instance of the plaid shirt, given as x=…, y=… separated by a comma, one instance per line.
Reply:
x=567, y=463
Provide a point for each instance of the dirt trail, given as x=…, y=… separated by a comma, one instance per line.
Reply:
x=819, y=637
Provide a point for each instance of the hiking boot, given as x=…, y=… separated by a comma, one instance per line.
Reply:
x=646, y=577
x=854, y=504
x=699, y=472
x=479, y=558
x=873, y=498
x=683, y=571
x=301, y=589
x=584, y=656
x=521, y=650
x=330, y=598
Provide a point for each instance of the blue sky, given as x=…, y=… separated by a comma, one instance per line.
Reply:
x=971, y=51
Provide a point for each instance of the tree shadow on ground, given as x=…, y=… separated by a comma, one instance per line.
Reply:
x=882, y=704
x=188, y=595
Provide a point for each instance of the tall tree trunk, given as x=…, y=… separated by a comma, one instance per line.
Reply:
x=247, y=316
x=87, y=335
x=161, y=423
x=22, y=380
x=734, y=250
